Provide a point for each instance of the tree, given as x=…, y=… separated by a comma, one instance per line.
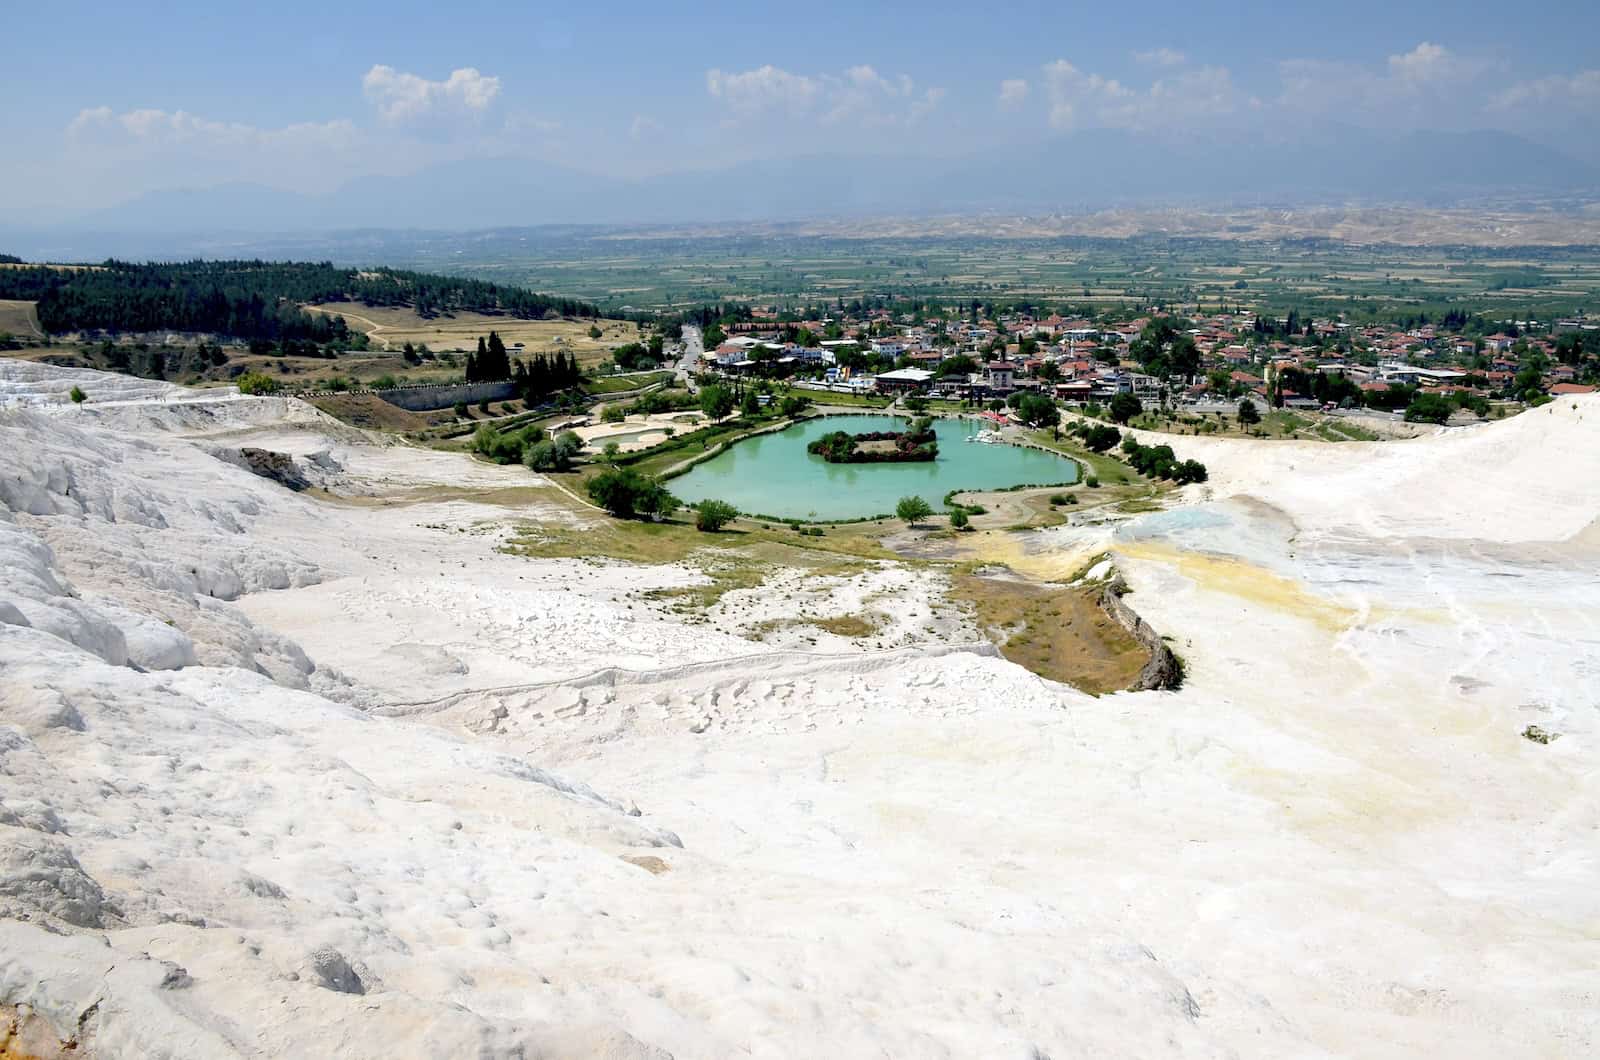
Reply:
x=751, y=405
x=917, y=404
x=594, y=331
x=1429, y=408
x=627, y=494
x=794, y=405
x=78, y=396
x=610, y=452
x=1248, y=413
x=959, y=519
x=614, y=413
x=711, y=516
x=1125, y=407
x=1037, y=410
x=1099, y=438
x=716, y=401
x=912, y=509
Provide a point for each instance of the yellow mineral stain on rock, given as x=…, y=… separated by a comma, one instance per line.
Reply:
x=1247, y=581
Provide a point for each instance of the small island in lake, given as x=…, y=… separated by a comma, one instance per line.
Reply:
x=916, y=443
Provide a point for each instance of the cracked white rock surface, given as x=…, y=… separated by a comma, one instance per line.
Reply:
x=366, y=787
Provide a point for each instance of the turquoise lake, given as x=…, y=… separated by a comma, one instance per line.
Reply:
x=772, y=474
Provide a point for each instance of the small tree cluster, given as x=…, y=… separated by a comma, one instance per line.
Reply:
x=1159, y=461
x=628, y=494
x=555, y=454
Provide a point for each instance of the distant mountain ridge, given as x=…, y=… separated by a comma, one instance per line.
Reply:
x=1089, y=170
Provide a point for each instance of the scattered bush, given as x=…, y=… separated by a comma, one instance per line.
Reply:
x=258, y=383
x=613, y=413
x=1063, y=498
x=711, y=516
x=1092, y=482
x=959, y=520
x=78, y=396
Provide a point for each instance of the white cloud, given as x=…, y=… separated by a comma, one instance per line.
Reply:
x=160, y=128
x=859, y=96
x=1579, y=90
x=406, y=99
x=1088, y=100
x=1427, y=85
x=763, y=89
x=1161, y=57
x=1013, y=91
x=643, y=126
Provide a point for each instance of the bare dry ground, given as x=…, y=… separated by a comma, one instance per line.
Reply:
x=393, y=327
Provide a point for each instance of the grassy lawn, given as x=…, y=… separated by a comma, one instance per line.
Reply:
x=612, y=384
x=823, y=400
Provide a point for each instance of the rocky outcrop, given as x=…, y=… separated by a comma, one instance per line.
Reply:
x=1163, y=670
x=279, y=467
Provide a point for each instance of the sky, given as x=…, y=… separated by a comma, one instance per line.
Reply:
x=103, y=102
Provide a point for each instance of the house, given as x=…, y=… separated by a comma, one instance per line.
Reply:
x=904, y=380
x=1567, y=389
x=998, y=375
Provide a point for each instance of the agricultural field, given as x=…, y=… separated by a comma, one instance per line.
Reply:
x=619, y=270
x=391, y=328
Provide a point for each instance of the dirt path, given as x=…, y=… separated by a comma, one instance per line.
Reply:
x=372, y=325
x=16, y=312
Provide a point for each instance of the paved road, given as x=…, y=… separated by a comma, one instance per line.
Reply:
x=693, y=347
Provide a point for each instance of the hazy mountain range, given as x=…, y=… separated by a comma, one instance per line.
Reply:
x=1089, y=170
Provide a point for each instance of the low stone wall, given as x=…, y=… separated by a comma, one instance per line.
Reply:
x=1163, y=671
x=445, y=395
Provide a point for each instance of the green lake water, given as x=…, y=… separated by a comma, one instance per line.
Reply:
x=772, y=474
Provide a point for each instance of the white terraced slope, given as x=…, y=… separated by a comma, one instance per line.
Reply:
x=326, y=774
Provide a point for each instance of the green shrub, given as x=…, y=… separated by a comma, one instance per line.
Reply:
x=78, y=396
x=1092, y=482
x=1063, y=498
x=711, y=516
x=259, y=383
x=959, y=520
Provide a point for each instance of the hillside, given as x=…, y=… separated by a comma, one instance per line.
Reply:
x=333, y=772
x=253, y=299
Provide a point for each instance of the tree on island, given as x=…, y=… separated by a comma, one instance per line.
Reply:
x=912, y=510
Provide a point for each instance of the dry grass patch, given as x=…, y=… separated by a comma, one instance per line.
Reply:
x=394, y=327
x=1055, y=631
x=20, y=319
